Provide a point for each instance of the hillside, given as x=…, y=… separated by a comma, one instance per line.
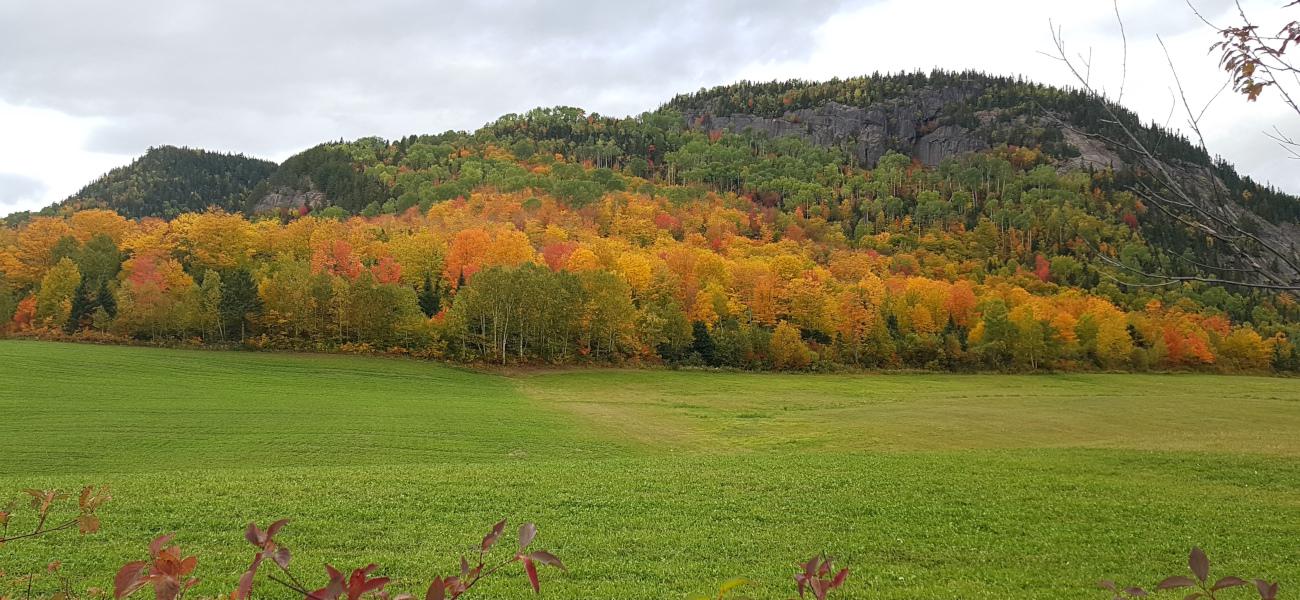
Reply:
x=941, y=116
x=936, y=119
x=698, y=235
x=168, y=181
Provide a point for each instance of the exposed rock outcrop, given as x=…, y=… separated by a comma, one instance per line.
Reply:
x=910, y=124
x=291, y=199
x=1093, y=153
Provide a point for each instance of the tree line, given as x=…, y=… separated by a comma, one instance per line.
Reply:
x=983, y=263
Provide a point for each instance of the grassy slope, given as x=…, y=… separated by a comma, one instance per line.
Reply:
x=651, y=484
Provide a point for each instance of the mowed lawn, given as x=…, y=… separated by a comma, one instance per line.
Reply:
x=652, y=484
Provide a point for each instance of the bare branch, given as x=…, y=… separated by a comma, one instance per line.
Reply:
x=1180, y=204
x=1123, y=78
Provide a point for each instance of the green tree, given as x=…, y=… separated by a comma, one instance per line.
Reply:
x=702, y=343
x=8, y=302
x=609, y=314
x=430, y=297
x=99, y=260
x=82, y=309
x=239, y=306
x=105, y=299
x=997, y=336
x=210, y=320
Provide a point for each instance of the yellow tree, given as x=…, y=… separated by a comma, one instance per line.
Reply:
x=421, y=254
x=807, y=303
x=34, y=250
x=87, y=224
x=1244, y=350
x=582, y=260
x=786, y=348
x=54, y=300
x=214, y=240
x=637, y=270
x=509, y=248
x=858, y=313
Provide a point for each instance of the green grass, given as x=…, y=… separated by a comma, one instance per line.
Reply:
x=651, y=484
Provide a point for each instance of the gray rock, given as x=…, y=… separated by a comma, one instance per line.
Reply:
x=909, y=124
x=1093, y=153
x=944, y=142
x=291, y=199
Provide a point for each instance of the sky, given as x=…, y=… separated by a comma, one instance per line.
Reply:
x=87, y=85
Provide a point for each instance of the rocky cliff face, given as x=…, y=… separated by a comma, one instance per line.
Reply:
x=910, y=124
x=920, y=124
x=291, y=199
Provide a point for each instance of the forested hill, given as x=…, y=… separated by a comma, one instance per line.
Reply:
x=168, y=181
x=940, y=221
x=798, y=144
x=940, y=115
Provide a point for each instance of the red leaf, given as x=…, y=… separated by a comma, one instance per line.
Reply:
x=527, y=532
x=547, y=559
x=491, y=538
x=531, y=568
x=1227, y=582
x=375, y=584
x=166, y=588
x=157, y=544
x=1200, y=564
x=187, y=565
x=1177, y=581
x=839, y=578
x=254, y=535
x=88, y=523
x=129, y=579
x=437, y=591
x=333, y=573
x=810, y=567
x=275, y=528
x=281, y=557
x=245, y=585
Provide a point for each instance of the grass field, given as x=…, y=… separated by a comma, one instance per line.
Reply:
x=651, y=484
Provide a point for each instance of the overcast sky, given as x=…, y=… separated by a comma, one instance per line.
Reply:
x=86, y=85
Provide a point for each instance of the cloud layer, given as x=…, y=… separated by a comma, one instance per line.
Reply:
x=270, y=78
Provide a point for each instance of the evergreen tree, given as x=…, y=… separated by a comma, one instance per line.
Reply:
x=105, y=300
x=8, y=303
x=83, y=307
x=703, y=344
x=430, y=300
x=239, y=301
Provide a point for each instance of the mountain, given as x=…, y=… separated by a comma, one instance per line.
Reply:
x=940, y=116
x=167, y=181
x=796, y=129
x=773, y=141
x=942, y=220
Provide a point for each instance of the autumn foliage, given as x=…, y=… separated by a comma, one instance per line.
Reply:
x=636, y=275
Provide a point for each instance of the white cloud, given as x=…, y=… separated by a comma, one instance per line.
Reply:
x=46, y=147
